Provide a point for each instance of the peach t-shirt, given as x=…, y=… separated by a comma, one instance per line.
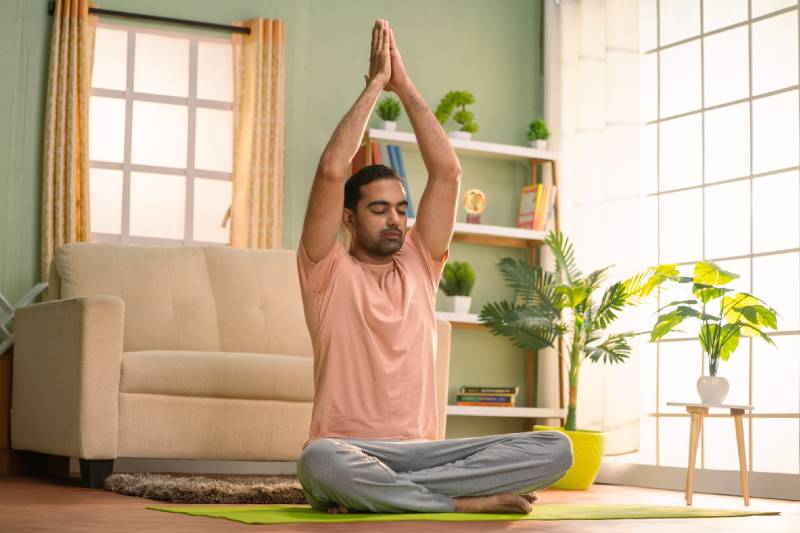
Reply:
x=373, y=330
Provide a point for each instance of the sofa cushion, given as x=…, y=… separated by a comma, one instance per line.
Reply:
x=218, y=375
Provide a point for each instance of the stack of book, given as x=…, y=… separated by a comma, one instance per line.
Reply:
x=491, y=396
x=391, y=156
x=537, y=207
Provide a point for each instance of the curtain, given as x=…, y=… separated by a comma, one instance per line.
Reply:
x=256, y=212
x=65, y=179
x=592, y=104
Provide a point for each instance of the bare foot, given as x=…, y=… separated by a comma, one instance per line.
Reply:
x=497, y=503
x=531, y=497
x=341, y=509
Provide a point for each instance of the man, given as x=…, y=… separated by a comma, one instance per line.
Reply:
x=370, y=313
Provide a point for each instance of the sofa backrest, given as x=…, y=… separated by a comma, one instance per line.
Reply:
x=214, y=298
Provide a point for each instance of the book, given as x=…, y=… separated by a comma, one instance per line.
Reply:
x=489, y=390
x=398, y=160
x=376, y=154
x=485, y=398
x=486, y=404
x=385, y=155
x=526, y=204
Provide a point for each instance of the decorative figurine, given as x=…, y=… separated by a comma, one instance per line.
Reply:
x=474, y=203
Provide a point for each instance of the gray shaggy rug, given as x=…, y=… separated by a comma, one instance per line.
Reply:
x=188, y=488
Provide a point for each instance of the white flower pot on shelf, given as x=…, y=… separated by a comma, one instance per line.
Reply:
x=457, y=304
x=389, y=125
x=458, y=134
x=712, y=389
x=539, y=144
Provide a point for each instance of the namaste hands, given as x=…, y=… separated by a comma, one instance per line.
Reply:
x=385, y=64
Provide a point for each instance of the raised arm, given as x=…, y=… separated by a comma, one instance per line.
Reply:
x=326, y=201
x=437, y=207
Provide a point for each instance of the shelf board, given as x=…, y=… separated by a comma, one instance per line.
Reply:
x=514, y=412
x=461, y=320
x=494, y=235
x=476, y=148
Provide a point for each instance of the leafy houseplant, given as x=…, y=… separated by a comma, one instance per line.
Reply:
x=732, y=315
x=446, y=106
x=388, y=110
x=458, y=278
x=561, y=305
x=538, y=134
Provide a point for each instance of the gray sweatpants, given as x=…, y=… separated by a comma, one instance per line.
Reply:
x=396, y=476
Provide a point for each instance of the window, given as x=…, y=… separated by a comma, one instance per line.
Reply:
x=160, y=137
x=721, y=144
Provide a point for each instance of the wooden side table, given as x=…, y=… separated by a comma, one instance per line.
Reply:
x=698, y=411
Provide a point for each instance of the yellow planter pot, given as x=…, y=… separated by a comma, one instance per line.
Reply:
x=587, y=449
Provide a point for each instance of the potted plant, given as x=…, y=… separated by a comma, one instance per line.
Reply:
x=550, y=307
x=458, y=278
x=724, y=314
x=445, y=108
x=388, y=110
x=538, y=134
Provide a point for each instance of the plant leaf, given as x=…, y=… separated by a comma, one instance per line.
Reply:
x=707, y=293
x=613, y=300
x=709, y=273
x=566, y=270
x=522, y=324
x=615, y=349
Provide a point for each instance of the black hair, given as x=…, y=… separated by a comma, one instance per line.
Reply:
x=352, y=188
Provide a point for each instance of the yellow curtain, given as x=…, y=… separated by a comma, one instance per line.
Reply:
x=65, y=180
x=256, y=212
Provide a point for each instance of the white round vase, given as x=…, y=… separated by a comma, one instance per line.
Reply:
x=458, y=304
x=712, y=389
x=389, y=125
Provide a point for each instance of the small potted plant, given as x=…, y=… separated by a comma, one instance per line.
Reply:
x=388, y=110
x=538, y=134
x=445, y=108
x=724, y=315
x=550, y=307
x=458, y=278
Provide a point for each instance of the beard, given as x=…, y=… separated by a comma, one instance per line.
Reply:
x=380, y=246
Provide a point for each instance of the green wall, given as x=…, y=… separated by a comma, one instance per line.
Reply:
x=490, y=48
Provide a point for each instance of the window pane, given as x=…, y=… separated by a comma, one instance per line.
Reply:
x=157, y=205
x=681, y=158
x=720, y=449
x=211, y=201
x=679, y=19
x=775, y=53
x=648, y=88
x=649, y=173
x=720, y=13
x=680, y=79
x=647, y=376
x=776, y=375
x=674, y=441
x=775, y=212
x=775, y=132
x=647, y=25
x=725, y=68
x=110, y=59
x=740, y=267
x=727, y=218
x=105, y=202
x=159, y=134
x=214, y=71
x=776, y=280
x=762, y=7
x=106, y=129
x=775, y=446
x=161, y=65
x=214, y=140
x=679, y=370
x=681, y=227
x=649, y=230
x=727, y=143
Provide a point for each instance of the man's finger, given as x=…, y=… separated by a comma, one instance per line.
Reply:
x=374, y=39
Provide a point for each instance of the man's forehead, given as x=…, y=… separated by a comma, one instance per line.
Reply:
x=385, y=189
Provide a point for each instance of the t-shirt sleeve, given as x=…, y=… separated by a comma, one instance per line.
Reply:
x=433, y=267
x=316, y=278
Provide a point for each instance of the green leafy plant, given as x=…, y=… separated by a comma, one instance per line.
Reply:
x=561, y=305
x=452, y=100
x=388, y=108
x=458, y=278
x=538, y=130
x=732, y=313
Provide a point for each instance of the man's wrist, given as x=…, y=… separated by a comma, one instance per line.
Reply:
x=405, y=90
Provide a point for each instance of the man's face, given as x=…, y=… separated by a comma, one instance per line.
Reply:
x=379, y=224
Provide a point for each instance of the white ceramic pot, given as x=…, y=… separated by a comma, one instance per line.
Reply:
x=539, y=144
x=712, y=389
x=458, y=134
x=457, y=304
x=389, y=125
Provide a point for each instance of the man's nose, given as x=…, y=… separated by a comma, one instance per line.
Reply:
x=394, y=217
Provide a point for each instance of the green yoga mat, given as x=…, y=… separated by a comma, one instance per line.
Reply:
x=299, y=513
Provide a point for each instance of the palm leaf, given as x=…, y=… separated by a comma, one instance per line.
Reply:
x=615, y=349
x=613, y=300
x=566, y=268
x=534, y=285
x=524, y=325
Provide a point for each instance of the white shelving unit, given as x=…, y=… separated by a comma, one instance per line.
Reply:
x=494, y=235
x=512, y=412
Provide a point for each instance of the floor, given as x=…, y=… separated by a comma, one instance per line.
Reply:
x=61, y=504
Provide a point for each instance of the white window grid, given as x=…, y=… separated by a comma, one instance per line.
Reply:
x=192, y=103
x=749, y=416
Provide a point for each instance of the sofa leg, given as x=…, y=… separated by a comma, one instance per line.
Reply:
x=95, y=471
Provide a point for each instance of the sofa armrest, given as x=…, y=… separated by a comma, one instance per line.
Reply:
x=66, y=373
x=443, y=328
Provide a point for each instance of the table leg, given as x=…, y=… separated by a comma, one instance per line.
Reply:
x=694, y=438
x=737, y=420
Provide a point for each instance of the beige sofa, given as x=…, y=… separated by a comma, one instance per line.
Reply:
x=183, y=352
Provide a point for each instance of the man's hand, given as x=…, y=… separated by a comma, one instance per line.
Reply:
x=399, y=78
x=380, y=64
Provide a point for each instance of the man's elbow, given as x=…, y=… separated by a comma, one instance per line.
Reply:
x=451, y=174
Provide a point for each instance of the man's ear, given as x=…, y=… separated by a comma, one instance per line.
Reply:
x=348, y=217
